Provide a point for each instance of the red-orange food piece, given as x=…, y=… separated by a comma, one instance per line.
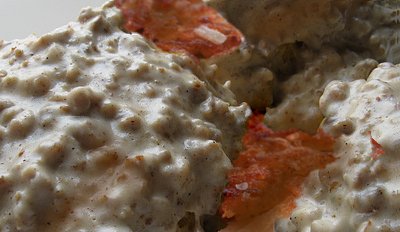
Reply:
x=180, y=26
x=271, y=168
x=377, y=149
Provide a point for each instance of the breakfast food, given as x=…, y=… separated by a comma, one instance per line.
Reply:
x=188, y=26
x=274, y=23
x=321, y=207
x=306, y=50
x=360, y=191
x=101, y=131
x=271, y=169
x=282, y=37
x=296, y=47
x=300, y=93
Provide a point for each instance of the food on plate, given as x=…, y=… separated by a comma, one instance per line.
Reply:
x=299, y=95
x=366, y=25
x=283, y=38
x=306, y=45
x=340, y=51
x=101, y=131
x=360, y=190
x=104, y=129
x=181, y=26
x=300, y=46
x=268, y=23
x=249, y=78
x=271, y=169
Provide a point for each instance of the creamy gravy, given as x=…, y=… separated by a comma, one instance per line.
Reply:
x=336, y=39
x=360, y=191
x=100, y=131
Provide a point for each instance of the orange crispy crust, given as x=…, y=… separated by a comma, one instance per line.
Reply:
x=273, y=166
x=170, y=24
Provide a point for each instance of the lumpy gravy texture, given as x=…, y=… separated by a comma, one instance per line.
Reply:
x=360, y=191
x=100, y=131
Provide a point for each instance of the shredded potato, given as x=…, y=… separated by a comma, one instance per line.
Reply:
x=270, y=170
x=181, y=26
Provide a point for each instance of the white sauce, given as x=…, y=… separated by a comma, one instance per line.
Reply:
x=248, y=77
x=100, y=131
x=342, y=41
x=270, y=23
x=339, y=38
x=356, y=192
x=302, y=91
